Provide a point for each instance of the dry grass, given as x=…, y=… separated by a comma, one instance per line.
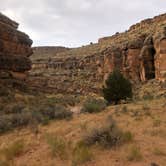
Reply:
x=81, y=154
x=159, y=152
x=144, y=135
x=134, y=154
x=58, y=146
x=8, y=153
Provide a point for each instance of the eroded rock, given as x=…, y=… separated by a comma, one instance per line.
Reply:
x=138, y=53
x=15, y=48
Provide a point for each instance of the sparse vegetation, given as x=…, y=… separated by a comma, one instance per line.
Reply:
x=145, y=107
x=117, y=87
x=64, y=100
x=124, y=109
x=93, y=105
x=156, y=122
x=81, y=154
x=134, y=154
x=22, y=114
x=58, y=146
x=13, y=150
x=159, y=152
x=108, y=135
x=148, y=96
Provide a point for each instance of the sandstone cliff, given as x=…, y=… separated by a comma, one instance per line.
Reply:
x=140, y=54
x=15, y=49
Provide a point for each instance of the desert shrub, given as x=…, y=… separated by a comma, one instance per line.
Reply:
x=146, y=110
x=19, y=115
x=134, y=154
x=14, y=108
x=46, y=110
x=13, y=150
x=117, y=87
x=70, y=100
x=4, y=91
x=156, y=122
x=108, y=135
x=124, y=109
x=127, y=136
x=145, y=107
x=37, y=118
x=159, y=152
x=62, y=113
x=54, y=112
x=19, y=119
x=148, y=96
x=58, y=146
x=64, y=100
x=81, y=154
x=92, y=105
x=11, y=121
x=4, y=124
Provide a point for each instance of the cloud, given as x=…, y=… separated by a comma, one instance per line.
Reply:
x=77, y=22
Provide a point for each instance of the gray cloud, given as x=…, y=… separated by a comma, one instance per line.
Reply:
x=76, y=22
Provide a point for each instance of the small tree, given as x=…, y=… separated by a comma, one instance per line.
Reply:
x=117, y=87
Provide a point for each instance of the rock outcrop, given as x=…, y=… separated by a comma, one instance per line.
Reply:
x=15, y=49
x=139, y=53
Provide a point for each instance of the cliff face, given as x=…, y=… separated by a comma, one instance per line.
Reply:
x=15, y=49
x=139, y=53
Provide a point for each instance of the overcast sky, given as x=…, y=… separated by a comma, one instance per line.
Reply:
x=74, y=23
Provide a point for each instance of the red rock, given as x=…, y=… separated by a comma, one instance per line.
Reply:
x=15, y=47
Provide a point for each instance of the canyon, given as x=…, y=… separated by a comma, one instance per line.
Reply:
x=139, y=53
x=44, y=90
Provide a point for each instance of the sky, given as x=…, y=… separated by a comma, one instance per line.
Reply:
x=74, y=23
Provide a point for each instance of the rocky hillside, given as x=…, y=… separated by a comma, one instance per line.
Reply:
x=15, y=49
x=139, y=53
x=42, y=53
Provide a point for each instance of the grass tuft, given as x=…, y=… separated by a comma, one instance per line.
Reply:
x=134, y=154
x=58, y=146
x=81, y=154
x=13, y=150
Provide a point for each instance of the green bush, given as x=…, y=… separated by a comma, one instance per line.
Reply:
x=117, y=87
x=92, y=105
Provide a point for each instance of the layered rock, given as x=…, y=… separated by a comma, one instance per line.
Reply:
x=138, y=53
x=15, y=49
x=160, y=56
